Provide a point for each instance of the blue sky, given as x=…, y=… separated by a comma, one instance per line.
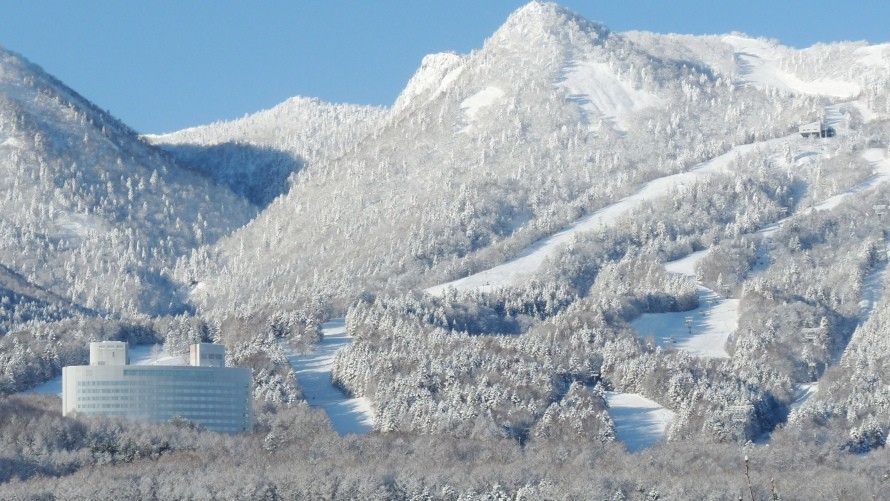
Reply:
x=163, y=65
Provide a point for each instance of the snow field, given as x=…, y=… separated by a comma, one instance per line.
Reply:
x=639, y=422
x=485, y=98
x=758, y=61
x=702, y=332
x=601, y=94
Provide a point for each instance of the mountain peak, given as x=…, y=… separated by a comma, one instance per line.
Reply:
x=550, y=18
x=435, y=73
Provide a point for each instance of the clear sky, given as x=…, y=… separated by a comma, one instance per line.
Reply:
x=162, y=65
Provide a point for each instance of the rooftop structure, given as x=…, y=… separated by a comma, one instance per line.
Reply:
x=207, y=355
x=816, y=129
x=207, y=393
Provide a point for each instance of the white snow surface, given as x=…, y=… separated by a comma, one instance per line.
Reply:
x=802, y=394
x=74, y=226
x=881, y=166
x=703, y=331
x=347, y=414
x=639, y=422
x=868, y=114
x=876, y=56
x=872, y=290
x=759, y=64
x=482, y=99
x=602, y=94
x=685, y=265
x=530, y=260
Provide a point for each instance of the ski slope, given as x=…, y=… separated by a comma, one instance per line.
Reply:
x=873, y=285
x=872, y=290
x=881, y=165
x=872, y=293
x=639, y=422
x=759, y=60
x=601, y=93
x=530, y=260
x=703, y=331
x=347, y=414
x=802, y=394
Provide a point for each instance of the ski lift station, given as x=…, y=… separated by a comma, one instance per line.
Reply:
x=816, y=129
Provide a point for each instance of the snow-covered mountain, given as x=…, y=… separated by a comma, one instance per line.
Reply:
x=539, y=239
x=641, y=148
x=482, y=154
x=256, y=155
x=91, y=216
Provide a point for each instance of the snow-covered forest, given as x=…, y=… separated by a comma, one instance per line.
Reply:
x=560, y=223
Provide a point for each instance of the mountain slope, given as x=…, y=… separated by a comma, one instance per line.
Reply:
x=485, y=153
x=539, y=243
x=552, y=120
x=90, y=213
x=256, y=155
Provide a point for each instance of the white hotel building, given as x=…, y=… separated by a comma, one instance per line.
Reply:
x=206, y=392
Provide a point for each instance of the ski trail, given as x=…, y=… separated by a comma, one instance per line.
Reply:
x=872, y=290
x=872, y=293
x=690, y=332
x=702, y=331
x=873, y=284
x=347, y=414
x=759, y=66
x=531, y=259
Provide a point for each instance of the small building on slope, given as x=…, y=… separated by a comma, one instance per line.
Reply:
x=816, y=129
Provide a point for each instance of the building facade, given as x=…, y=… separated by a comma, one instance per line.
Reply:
x=206, y=393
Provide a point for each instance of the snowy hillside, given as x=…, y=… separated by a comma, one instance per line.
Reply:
x=502, y=154
x=551, y=253
x=546, y=177
x=92, y=216
x=256, y=155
